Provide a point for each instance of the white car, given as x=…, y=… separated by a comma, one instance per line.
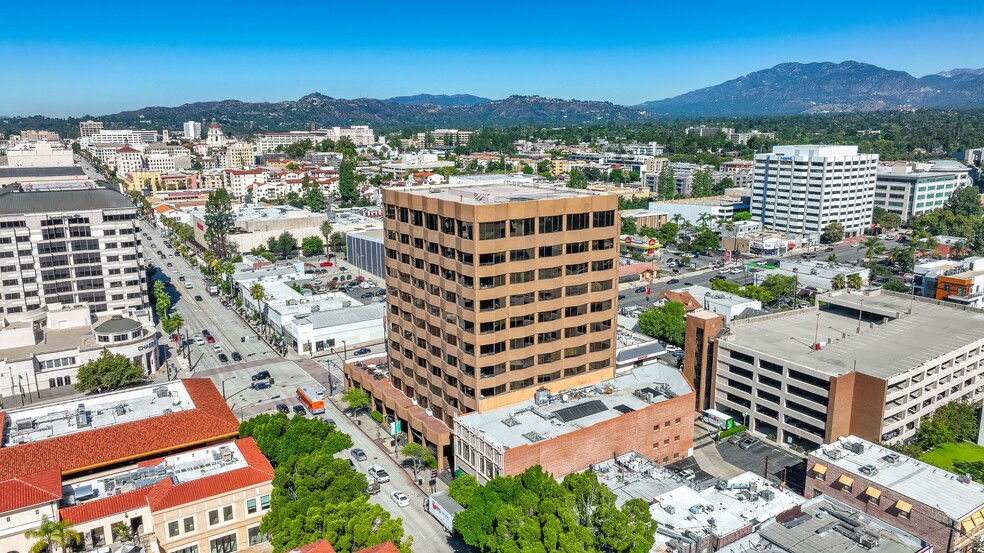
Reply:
x=400, y=499
x=216, y=348
x=379, y=474
x=671, y=348
x=199, y=340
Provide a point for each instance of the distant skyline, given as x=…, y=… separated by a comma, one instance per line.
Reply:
x=97, y=59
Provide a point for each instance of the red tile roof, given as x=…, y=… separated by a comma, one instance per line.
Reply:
x=127, y=150
x=30, y=489
x=210, y=420
x=166, y=494
x=243, y=171
x=688, y=301
x=320, y=546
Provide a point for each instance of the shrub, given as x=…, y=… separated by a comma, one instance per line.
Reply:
x=377, y=416
x=731, y=431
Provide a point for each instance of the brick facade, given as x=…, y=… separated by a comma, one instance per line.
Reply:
x=925, y=521
x=634, y=431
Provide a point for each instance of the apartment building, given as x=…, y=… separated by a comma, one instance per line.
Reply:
x=240, y=155
x=946, y=511
x=493, y=291
x=121, y=136
x=69, y=243
x=804, y=188
x=359, y=135
x=444, y=137
x=239, y=182
x=118, y=458
x=872, y=365
x=909, y=189
x=128, y=160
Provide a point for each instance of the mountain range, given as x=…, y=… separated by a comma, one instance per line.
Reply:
x=786, y=89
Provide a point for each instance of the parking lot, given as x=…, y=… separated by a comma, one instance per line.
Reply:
x=766, y=460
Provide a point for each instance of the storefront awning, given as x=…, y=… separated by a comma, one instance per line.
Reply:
x=845, y=480
x=903, y=506
x=872, y=493
x=819, y=469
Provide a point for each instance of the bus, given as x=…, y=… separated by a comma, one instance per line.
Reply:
x=309, y=399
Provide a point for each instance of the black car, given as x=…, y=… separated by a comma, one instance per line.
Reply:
x=688, y=283
x=262, y=375
x=343, y=269
x=198, y=297
x=236, y=356
x=362, y=351
x=181, y=278
x=282, y=408
x=206, y=333
x=381, y=293
x=299, y=409
x=621, y=296
x=366, y=295
x=640, y=290
x=673, y=281
x=359, y=455
x=224, y=358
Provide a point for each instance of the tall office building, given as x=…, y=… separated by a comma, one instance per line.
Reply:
x=89, y=128
x=494, y=291
x=803, y=189
x=193, y=130
x=69, y=243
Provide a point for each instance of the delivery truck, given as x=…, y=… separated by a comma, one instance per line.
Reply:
x=718, y=419
x=443, y=508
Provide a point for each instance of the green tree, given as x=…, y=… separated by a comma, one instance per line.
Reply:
x=666, y=323
x=616, y=176
x=832, y=233
x=314, y=199
x=832, y=258
x=648, y=232
x=666, y=184
x=725, y=285
x=891, y=221
x=707, y=240
x=703, y=184
x=933, y=433
x=347, y=182
x=577, y=179
x=257, y=291
x=312, y=245
x=742, y=216
x=873, y=246
x=896, y=286
x=420, y=455
x=462, y=489
x=52, y=534
x=285, y=439
x=172, y=323
x=854, y=281
x=527, y=170
x=282, y=245
x=838, y=282
x=977, y=242
x=965, y=201
x=162, y=301
x=780, y=286
x=356, y=398
x=325, y=230
x=218, y=220
x=337, y=242
x=109, y=371
x=629, y=226
x=667, y=233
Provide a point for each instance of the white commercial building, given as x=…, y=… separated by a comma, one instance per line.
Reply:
x=803, y=189
x=723, y=303
x=910, y=189
x=39, y=154
x=193, y=129
x=268, y=142
x=89, y=128
x=121, y=136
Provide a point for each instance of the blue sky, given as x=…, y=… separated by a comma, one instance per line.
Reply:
x=99, y=58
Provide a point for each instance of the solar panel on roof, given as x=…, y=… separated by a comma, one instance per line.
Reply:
x=568, y=414
x=624, y=409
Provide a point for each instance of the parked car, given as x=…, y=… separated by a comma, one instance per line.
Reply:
x=282, y=408
x=828, y=249
x=210, y=339
x=673, y=281
x=236, y=356
x=261, y=385
x=199, y=340
x=381, y=294
x=188, y=285
x=181, y=278
x=366, y=295
x=678, y=354
x=379, y=473
x=359, y=455
x=198, y=297
x=299, y=409
x=671, y=348
x=640, y=290
x=262, y=375
x=216, y=347
x=169, y=264
x=224, y=358
x=748, y=443
x=400, y=499
x=621, y=297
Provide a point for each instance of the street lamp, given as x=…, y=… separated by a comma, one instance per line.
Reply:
x=223, y=385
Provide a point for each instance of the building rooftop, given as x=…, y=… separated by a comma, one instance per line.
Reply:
x=357, y=313
x=121, y=425
x=528, y=423
x=375, y=235
x=117, y=325
x=700, y=293
x=40, y=172
x=911, y=478
x=53, y=420
x=709, y=201
x=51, y=197
x=891, y=341
x=499, y=193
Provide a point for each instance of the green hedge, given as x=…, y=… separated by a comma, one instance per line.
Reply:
x=377, y=416
x=731, y=431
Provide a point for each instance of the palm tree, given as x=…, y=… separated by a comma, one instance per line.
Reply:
x=854, y=281
x=838, y=282
x=873, y=246
x=51, y=534
x=325, y=229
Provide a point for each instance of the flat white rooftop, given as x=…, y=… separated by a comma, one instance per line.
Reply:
x=87, y=413
x=499, y=193
x=181, y=469
x=915, y=479
x=571, y=411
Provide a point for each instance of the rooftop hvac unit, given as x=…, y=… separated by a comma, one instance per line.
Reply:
x=161, y=391
x=856, y=447
x=891, y=458
x=120, y=409
x=834, y=453
x=869, y=541
x=869, y=470
x=24, y=424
